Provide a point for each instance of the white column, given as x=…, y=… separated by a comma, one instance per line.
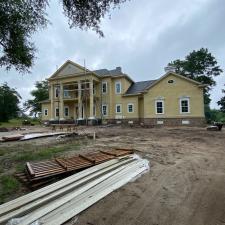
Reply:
x=79, y=102
x=61, y=103
x=52, y=102
x=91, y=99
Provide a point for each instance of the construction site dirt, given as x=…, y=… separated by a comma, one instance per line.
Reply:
x=185, y=184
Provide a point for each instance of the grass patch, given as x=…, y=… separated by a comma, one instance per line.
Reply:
x=17, y=122
x=46, y=153
x=9, y=185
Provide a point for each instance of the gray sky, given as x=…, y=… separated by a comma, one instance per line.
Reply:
x=141, y=37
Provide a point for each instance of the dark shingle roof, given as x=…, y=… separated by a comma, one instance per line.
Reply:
x=138, y=87
x=105, y=72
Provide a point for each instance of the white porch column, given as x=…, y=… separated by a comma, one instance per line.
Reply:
x=61, y=103
x=79, y=102
x=52, y=102
x=91, y=99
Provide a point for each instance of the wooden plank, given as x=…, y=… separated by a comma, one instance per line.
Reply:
x=85, y=200
x=87, y=158
x=9, y=206
x=40, y=212
x=30, y=170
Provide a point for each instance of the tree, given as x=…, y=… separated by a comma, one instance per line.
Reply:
x=40, y=93
x=9, y=103
x=201, y=66
x=221, y=103
x=20, y=19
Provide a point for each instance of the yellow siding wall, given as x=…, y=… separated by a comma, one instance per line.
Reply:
x=171, y=94
x=46, y=106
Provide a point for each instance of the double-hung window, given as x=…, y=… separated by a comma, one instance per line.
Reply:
x=118, y=108
x=105, y=110
x=104, y=87
x=118, y=87
x=184, y=105
x=66, y=111
x=130, y=108
x=159, y=107
x=56, y=112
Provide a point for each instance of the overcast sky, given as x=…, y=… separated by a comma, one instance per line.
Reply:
x=141, y=37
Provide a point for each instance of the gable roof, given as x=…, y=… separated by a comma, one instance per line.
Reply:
x=177, y=75
x=68, y=68
x=139, y=87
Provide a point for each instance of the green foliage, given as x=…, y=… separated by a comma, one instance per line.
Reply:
x=214, y=115
x=9, y=101
x=221, y=102
x=201, y=66
x=9, y=186
x=40, y=93
x=19, y=19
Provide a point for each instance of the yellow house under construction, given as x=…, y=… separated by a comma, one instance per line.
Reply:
x=78, y=95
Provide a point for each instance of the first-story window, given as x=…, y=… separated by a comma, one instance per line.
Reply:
x=130, y=108
x=66, y=111
x=184, y=105
x=104, y=110
x=45, y=112
x=118, y=108
x=159, y=107
x=56, y=112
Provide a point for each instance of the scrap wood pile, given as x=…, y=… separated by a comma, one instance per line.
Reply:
x=60, y=201
x=37, y=174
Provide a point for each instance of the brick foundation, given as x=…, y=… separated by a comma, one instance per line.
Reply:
x=163, y=121
x=176, y=122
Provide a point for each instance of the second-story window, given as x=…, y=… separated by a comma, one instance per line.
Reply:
x=66, y=93
x=118, y=87
x=104, y=87
x=57, y=91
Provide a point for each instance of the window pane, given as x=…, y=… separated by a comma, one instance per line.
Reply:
x=104, y=87
x=118, y=108
x=184, y=106
x=159, y=107
x=118, y=88
x=130, y=108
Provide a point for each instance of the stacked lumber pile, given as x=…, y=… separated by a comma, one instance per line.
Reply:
x=38, y=174
x=59, y=202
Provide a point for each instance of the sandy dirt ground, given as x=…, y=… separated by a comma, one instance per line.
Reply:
x=185, y=185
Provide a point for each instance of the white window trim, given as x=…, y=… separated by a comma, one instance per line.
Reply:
x=46, y=111
x=120, y=108
x=66, y=107
x=68, y=94
x=118, y=82
x=163, y=109
x=106, y=109
x=55, y=111
x=132, y=107
x=189, y=108
x=106, y=87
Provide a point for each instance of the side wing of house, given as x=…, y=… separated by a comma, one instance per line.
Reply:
x=174, y=101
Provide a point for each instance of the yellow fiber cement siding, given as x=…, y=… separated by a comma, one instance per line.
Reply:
x=171, y=93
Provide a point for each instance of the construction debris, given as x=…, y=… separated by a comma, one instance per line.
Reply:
x=59, y=202
x=37, y=174
x=15, y=137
